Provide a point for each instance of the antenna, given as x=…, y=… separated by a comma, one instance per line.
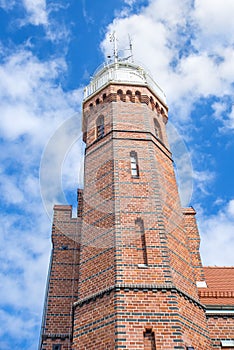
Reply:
x=113, y=39
x=130, y=47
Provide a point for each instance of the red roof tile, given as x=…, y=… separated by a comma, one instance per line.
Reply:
x=220, y=286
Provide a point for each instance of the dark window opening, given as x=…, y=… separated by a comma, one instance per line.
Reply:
x=138, y=95
x=152, y=103
x=129, y=95
x=100, y=129
x=157, y=129
x=134, y=164
x=56, y=347
x=141, y=231
x=149, y=340
x=120, y=95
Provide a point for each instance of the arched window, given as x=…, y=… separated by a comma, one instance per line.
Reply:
x=134, y=164
x=100, y=129
x=120, y=94
x=129, y=95
x=157, y=129
x=104, y=97
x=138, y=96
x=97, y=101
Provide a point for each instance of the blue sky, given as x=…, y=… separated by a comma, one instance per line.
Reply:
x=48, y=52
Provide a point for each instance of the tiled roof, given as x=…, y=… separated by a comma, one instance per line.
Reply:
x=220, y=286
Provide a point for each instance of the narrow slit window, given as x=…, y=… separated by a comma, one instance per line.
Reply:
x=157, y=129
x=100, y=129
x=149, y=340
x=134, y=164
x=143, y=260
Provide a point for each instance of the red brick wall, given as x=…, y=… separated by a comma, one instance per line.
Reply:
x=132, y=258
x=94, y=324
x=220, y=328
x=120, y=320
x=168, y=315
x=97, y=239
x=193, y=237
x=111, y=244
x=63, y=280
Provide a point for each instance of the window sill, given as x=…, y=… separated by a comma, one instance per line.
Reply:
x=142, y=266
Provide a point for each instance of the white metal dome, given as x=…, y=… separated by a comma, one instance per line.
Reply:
x=122, y=72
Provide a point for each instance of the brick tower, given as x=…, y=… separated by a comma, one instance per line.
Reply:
x=139, y=258
x=124, y=273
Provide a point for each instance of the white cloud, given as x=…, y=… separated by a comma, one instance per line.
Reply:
x=224, y=113
x=219, y=108
x=230, y=123
x=215, y=20
x=230, y=208
x=24, y=256
x=217, y=236
x=183, y=165
x=139, y=27
x=130, y=2
x=191, y=71
x=61, y=162
x=203, y=180
x=188, y=47
x=7, y=4
x=36, y=10
x=186, y=59
x=39, y=13
x=171, y=13
x=33, y=105
x=11, y=194
x=15, y=325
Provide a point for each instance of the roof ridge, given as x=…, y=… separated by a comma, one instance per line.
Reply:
x=219, y=267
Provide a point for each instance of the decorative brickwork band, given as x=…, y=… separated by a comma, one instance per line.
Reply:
x=61, y=336
x=138, y=287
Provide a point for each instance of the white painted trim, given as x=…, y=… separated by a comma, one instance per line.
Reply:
x=219, y=312
x=227, y=343
x=201, y=284
x=143, y=266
